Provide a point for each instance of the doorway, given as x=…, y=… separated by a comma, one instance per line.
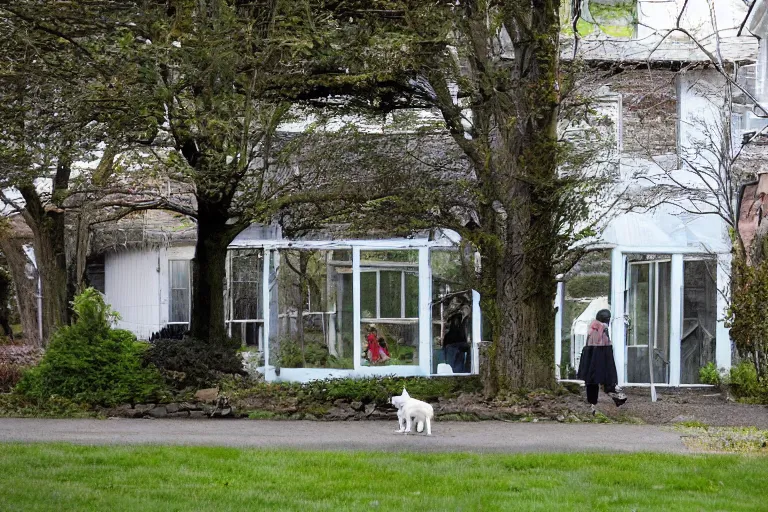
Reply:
x=648, y=301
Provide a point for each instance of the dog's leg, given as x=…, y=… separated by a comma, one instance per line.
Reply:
x=419, y=426
x=407, y=423
x=429, y=427
x=400, y=421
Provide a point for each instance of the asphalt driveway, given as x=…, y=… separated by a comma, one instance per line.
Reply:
x=448, y=436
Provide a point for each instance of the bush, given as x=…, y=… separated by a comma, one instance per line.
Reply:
x=709, y=374
x=745, y=385
x=91, y=363
x=195, y=363
x=370, y=390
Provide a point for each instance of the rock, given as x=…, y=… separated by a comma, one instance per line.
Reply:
x=139, y=410
x=189, y=406
x=172, y=408
x=207, y=395
x=369, y=409
x=573, y=418
x=339, y=402
x=180, y=414
x=208, y=409
x=197, y=414
x=158, y=412
x=358, y=406
x=560, y=418
x=310, y=417
x=337, y=413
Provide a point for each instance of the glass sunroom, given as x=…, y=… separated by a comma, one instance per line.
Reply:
x=314, y=309
x=664, y=278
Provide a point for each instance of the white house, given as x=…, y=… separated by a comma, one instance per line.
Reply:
x=663, y=271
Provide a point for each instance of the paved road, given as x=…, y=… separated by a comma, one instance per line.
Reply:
x=486, y=436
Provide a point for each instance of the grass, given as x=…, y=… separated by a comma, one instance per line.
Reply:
x=83, y=478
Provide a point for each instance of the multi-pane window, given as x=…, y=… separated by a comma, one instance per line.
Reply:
x=389, y=305
x=179, y=297
x=246, y=317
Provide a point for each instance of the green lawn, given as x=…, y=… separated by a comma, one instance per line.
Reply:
x=66, y=477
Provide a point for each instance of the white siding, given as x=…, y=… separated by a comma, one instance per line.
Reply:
x=132, y=287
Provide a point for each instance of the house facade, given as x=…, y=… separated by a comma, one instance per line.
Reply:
x=686, y=142
x=307, y=307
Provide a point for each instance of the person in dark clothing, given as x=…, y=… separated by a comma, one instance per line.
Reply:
x=455, y=345
x=597, y=365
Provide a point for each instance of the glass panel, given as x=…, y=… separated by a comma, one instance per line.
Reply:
x=587, y=290
x=451, y=311
x=649, y=313
x=179, y=287
x=411, y=295
x=246, y=274
x=389, y=337
x=368, y=295
x=697, y=346
x=313, y=329
x=390, y=293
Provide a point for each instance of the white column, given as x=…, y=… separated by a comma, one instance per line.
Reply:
x=265, y=305
x=477, y=333
x=722, y=333
x=618, y=330
x=357, y=347
x=675, y=318
x=559, y=327
x=425, y=312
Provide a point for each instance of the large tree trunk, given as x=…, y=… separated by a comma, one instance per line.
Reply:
x=208, y=277
x=49, y=231
x=515, y=153
x=25, y=286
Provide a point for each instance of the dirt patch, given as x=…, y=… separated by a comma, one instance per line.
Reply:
x=685, y=405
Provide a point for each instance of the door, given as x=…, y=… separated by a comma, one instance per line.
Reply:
x=648, y=310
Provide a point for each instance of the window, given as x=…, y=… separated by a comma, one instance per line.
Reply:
x=451, y=310
x=246, y=317
x=314, y=310
x=389, y=305
x=179, y=300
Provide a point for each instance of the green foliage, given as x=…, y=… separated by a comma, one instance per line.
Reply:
x=91, y=363
x=748, y=313
x=189, y=362
x=709, y=374
x=374, y=390
x=589, y=285
x=745, y=384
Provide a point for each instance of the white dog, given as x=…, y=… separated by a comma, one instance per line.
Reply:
x=408, y=409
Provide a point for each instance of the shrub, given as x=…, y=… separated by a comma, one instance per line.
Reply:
x=709, y=374
x=190, y=362
x=744, y=383
x=91, y=363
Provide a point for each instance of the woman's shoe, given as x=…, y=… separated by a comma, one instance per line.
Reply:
x=593, y=410
x=618, y=398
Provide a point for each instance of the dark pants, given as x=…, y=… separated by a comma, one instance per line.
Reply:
x=594, y=389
